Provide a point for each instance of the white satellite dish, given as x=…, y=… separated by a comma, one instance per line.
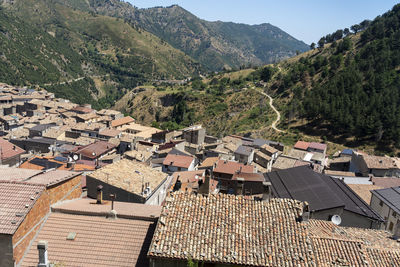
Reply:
x=336, y=219
x=76, y=157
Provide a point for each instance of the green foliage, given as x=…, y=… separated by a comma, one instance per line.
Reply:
x=359, y=93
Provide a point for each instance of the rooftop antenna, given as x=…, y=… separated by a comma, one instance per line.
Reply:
x=336, y=219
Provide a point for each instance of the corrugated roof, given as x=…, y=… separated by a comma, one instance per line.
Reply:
x=98, y=242
x=16, y=200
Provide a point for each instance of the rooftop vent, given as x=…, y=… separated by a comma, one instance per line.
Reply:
x=71, y=236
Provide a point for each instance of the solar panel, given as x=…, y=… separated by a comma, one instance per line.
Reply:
x=46, y=164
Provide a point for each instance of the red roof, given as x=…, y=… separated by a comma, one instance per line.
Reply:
x=302, y=145
x=178, y=161
x=122, y=121
x=231, y=167
x=9, y=150
x=318, y=146
x=95, y=150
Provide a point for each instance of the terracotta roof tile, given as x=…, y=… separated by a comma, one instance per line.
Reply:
x=8, y=150
x=231, y=229
x=231, y=167
x=122, y=121
x=98, y=242
x=16, y=200
x=302, y=145
x=99, y=148
x=178, y=160
x=87, y=206
x=209, y=162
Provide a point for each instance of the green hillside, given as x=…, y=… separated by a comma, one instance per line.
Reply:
x=349, y=90
x=214, y=44
x=63, y=44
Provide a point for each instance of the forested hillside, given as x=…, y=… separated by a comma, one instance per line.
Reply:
x=216, y=45
x=348, y=87
x=80, y=55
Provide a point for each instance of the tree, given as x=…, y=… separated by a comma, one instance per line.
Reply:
x=312, y=46
x=321, y=42
x=355, y=28
x=346, y=31
x=266, y=73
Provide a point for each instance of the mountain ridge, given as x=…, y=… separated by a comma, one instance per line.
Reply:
x=214, y=44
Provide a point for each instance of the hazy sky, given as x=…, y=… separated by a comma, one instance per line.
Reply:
x=306, y=20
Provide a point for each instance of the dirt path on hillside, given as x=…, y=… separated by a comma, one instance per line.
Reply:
x=278, y=118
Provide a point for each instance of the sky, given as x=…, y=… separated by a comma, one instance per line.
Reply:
x=306, y=20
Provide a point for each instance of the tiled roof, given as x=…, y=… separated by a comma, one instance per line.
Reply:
x=209, y=162
x=244, y=150
x=385, y=182
x=98, y=241
x=302, y=145
x=16, y=200
x=231, y=229
x=14, y=174
x=8, y=150
x=38, y=177
x=122, y=121
x=319, y=146
x=375, y=162
x=110, y=132
x=364, y=190
x=189, y=179
x=285, y=162
x=249, y=177
x=99, y=148
x=178, y=161
x=87, y=206
x=347, y=246
x=270, y=149
x=230, y=167
x=128, y=175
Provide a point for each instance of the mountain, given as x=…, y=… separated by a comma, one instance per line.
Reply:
x=80, y=55
x=346, y=92
x=216, y=45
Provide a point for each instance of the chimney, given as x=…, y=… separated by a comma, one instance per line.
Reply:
x=266, y=191
x=43, y=259
x=305, y=216
x=396, y=233
x=99, y=194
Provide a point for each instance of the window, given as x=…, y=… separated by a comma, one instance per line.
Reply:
x=394, y=214
x=381, y=203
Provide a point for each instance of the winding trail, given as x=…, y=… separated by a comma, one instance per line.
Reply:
x=278, y=118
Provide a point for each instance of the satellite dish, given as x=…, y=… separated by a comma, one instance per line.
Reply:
x=75, y=157
x=336, y=219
